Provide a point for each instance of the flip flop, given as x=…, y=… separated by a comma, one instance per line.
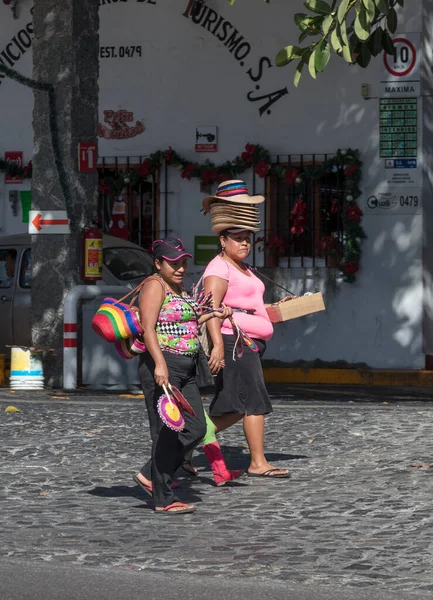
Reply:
x=191, y=470
x=268, y=475
x=148, y=488
x=185, y=509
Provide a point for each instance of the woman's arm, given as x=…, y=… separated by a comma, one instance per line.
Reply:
x=221, y=313
x=151, y=299
x=218, y=287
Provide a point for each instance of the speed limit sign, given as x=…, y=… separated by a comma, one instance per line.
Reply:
x=403, y=64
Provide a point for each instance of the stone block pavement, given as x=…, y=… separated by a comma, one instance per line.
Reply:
x=355, y=513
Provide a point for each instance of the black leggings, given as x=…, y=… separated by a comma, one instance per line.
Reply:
x=169, y=448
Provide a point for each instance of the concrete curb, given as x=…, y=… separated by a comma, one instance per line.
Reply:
x=383, y=377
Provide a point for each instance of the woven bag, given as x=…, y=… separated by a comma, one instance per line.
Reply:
x=130, y=348
x=115, y=321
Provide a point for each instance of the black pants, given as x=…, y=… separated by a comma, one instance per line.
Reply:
x=169, y=447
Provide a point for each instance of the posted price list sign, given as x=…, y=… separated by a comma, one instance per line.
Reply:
x=398, y=127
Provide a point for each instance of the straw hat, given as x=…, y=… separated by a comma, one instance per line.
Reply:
x=233, y=208
x=217, y=228
x=236, y=223
x=234, y=191
x=222, y=207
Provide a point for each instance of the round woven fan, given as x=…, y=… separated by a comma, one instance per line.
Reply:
x=169, y=411
x=181, y=400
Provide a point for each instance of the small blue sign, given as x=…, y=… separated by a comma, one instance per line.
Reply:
x=401, y=163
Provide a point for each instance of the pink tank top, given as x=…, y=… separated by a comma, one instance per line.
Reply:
x=244, y=291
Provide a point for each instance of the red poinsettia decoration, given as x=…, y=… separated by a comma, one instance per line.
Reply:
x=187, y=172
x=168, y=156
x=350, y=268
x=262, y=168
x=248, y=155
x=145, y=169
x=298, y=217
x=353, y=212
x=351, y=169
x=209, y=176
x=104, y=188
x=290, y=176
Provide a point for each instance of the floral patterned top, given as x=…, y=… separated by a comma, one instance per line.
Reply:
x=176, y=327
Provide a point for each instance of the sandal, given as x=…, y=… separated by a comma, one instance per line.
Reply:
x=148, y=488
x=183, y=509
x=189, y=468
x=268, y=474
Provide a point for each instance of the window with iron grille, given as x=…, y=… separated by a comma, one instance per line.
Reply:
x=141, y=198
x=303, y=218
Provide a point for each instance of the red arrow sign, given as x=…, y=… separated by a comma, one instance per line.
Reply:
x=38, y=221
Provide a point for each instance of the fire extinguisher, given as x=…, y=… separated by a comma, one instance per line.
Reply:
x=91, y=268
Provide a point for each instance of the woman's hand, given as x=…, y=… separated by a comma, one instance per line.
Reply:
x=223, y=313
x=161, y=374
x=216, y=360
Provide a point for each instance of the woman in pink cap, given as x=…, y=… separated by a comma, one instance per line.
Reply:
x=170, y=319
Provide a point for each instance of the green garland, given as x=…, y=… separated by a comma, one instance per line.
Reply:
x=347, y=251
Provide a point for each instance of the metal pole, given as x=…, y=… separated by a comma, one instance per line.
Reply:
x=70, y=325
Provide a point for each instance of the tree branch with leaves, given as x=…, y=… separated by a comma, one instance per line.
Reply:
x=355, y=30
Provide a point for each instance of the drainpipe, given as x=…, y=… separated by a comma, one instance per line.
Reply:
x=70, y=321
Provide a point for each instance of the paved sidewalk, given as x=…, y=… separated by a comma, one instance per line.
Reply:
x=355, y=513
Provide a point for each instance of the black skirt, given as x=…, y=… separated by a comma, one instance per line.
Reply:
x=240, y=387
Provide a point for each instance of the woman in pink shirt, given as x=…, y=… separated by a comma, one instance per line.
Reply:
x=240, y=387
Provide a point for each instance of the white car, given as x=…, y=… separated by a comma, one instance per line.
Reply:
x=124, y=263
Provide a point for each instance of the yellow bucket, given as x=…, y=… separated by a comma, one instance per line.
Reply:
x=26, y=370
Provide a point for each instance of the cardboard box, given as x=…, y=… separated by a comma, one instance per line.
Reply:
x=297, y=307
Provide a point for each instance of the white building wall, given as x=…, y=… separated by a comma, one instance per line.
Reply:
x=185, y=78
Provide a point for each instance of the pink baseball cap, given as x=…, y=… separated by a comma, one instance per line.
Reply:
x=169, y=248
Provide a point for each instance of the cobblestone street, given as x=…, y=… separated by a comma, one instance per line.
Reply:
x=355, y=512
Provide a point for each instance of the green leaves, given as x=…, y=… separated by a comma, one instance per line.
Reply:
x=364, y=56
x=382, y=6
x=318, y=6
x=322, y=56
x=391, y=20
x=369, y=23
x=287, y=54
x=388, y=44
x=375, y=42
x=342, y=10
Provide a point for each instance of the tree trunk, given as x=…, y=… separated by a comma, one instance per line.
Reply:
x=65, y=54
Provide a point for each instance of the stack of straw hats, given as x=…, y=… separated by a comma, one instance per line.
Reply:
x=233, y=208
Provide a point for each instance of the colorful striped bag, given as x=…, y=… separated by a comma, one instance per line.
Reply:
x=131, y=347
x=115, y=321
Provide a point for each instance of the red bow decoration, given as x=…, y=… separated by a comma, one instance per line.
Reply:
x=298, y=217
